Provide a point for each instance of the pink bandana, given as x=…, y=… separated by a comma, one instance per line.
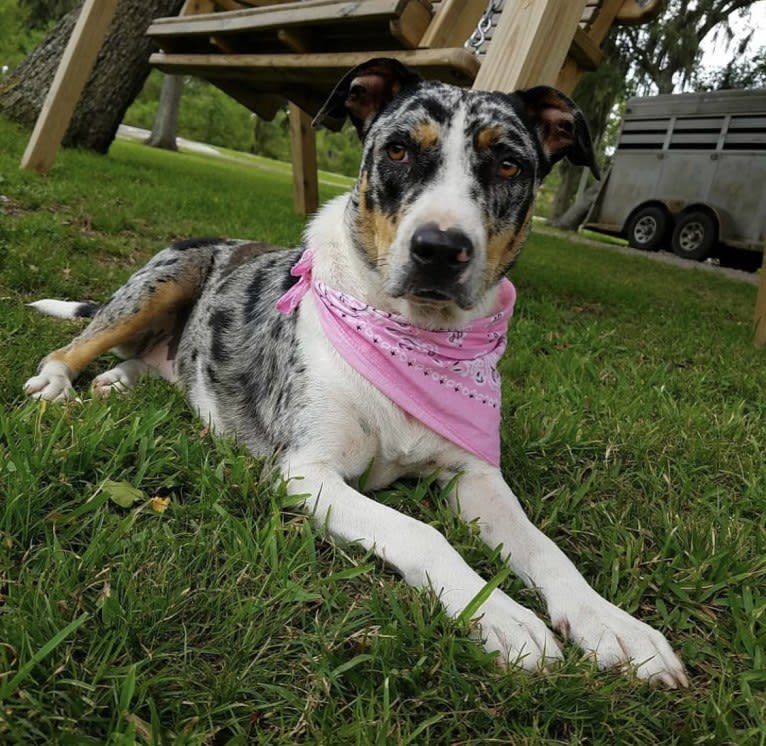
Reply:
x=446, y=378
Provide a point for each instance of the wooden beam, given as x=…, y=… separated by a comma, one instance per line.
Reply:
x=272, y=72
x=453, y=23
x=760, y=308
x=585, y=50
x=304, y=156
x=530, y=44
x=265, y=105
x=296, y=40
x=194, y=7
x=68, y=83
x=312, y=13
x=604, y=20
x=569, y=76
x=634, y=12
x=409, y=27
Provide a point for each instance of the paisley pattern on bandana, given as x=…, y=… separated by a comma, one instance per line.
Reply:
x=446, y=378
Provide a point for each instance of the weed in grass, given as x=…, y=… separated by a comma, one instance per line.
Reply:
x=634, y=423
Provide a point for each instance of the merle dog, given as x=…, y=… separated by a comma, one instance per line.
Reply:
x=372, y=349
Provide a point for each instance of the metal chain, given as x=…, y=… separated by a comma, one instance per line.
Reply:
x=479, y=36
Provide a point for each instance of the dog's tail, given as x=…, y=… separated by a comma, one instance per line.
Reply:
x=65, y=309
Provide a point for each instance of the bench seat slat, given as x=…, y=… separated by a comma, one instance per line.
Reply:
x=314, y=13
x=285, y=74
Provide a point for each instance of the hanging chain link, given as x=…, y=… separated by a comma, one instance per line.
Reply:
x=479, y=36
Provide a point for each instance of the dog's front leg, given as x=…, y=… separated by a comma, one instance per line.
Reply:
x=614, y=637
x=424, y=558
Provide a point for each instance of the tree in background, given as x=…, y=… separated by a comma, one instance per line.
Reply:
x=18, y=34
x=665, y=53
x=738, y=73
x=119, y=73
x=596, y=94
x=165, y=125
x=42, y=13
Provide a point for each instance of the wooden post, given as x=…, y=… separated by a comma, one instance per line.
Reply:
x=303, y=141
x=530, y=44
x=303, y=148
x=760, y=308
x=68, y=83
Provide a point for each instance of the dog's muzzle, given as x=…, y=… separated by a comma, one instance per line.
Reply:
x=439, y=260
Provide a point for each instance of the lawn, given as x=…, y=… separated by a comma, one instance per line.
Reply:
x=156, y=589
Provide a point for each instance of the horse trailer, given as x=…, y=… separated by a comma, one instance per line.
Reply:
x=689, y=174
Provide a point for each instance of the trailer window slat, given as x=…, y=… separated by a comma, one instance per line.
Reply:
x=747, y=123
x=642, y=140
x=707, y=139
x=745, y=140
x=707, y=123
x=645, y=125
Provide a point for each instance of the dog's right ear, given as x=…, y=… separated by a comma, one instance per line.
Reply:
x=363, y=92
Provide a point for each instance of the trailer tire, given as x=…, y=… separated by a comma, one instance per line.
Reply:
x=695, y=235
x=648, y=228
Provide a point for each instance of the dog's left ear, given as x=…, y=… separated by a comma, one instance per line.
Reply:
x=364, y=91
x=560, y=125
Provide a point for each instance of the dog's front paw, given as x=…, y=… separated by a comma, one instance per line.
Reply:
x=109, y=381
x=121, y=378
x=516, y=634
x=52, y=383
x=616, y=639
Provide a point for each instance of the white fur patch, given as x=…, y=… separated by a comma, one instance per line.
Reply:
x=61, y=309
x=202, y=399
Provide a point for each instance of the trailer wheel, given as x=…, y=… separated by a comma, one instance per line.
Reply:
x=648, y=228
x=695, y=235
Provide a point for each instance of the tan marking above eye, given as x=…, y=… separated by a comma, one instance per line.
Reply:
x=508, y=169
x=426, y=134
x=396, y=152
x=488, y=137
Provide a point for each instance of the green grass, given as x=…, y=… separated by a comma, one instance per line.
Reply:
x=634, y=429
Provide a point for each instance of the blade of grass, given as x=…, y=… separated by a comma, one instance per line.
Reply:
x=6, y=690
x=470, y=610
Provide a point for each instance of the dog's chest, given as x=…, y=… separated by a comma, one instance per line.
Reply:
x=355, y=424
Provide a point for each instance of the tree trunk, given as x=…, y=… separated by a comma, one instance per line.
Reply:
x=166, y=120
x=573, y=218
x=119, y=73
x=569, y=178
x=596, y=93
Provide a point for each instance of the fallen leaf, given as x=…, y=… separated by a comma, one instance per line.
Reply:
x=123, y=494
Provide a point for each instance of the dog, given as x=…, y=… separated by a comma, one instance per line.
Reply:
x=371, y=350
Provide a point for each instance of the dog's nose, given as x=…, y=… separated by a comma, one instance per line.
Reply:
x=431, y=246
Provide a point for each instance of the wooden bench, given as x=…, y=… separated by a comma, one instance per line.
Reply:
x=296, y=51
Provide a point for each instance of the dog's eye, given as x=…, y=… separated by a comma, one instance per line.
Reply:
x=508, y=169
x=396, y=152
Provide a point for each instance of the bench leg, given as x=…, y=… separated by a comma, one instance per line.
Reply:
x=68, y=83
x=304, y=154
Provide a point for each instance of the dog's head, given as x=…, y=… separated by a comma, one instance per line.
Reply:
x=444, y=198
